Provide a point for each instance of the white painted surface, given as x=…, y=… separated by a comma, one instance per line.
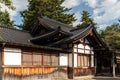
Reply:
x=87, y=47
x=75, y=45
x=87, y=51
x=92, y=52
x=92, y=61
x=12, y=56
x=75, y=60
x=63, y=59
x=75, y=49
x=80, y=46
x=80, y=51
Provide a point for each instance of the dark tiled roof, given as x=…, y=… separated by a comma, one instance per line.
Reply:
x=54, y=24
x=22, y=38
x=77, y=34
x=12, y=36
x=52, y=33
x=80, y=33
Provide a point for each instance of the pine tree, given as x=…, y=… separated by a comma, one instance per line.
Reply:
x=4, y=15
x=112, y=35
x=49, y=8
x=5, y=19
x=8, y=3
x=86, y=20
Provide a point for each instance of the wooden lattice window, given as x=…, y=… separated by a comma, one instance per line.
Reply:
x=50, y=59
x=37, y=59
x=27, y=58
x=46, y=59
x=54, y=59
x=83, y=60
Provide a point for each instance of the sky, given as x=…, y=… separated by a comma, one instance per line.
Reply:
x=104, y=12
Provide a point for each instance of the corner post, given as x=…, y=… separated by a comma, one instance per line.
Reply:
x=113, y=63
x=71, y=62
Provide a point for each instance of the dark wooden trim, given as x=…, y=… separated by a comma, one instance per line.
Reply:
x=81, y=48
x=2, y=56
x=72, y=61
x=21, y=57
x=77, y=55
x=32, y=57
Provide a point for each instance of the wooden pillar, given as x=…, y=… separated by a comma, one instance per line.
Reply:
x=113, y=64
x=95, y=62
x=70, y=63
x=1, y=61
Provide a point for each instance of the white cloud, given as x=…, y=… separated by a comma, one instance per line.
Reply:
x=19, y=4
x=104, y=11
x=78, y=16
x=102, y=26
x=91, y=3
x=107, y=11
x=71, y=3
x=11, y=12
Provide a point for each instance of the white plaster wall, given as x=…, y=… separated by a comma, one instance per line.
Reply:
x=63, y=59
x=75, y=49
x=80, y=46
x=80, y=51
x=87, y=47
x=12, y=56
x=92, y=61
x=92, y=52
x=75, y=60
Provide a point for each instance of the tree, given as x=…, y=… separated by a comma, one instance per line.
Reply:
x=112, y=35
x=5, y=19
x=4, y=15
x=86, y=20
x=8, y=3
x=49, y=8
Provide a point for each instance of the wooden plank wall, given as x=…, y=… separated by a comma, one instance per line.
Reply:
x=34, y=73
x=83, y=71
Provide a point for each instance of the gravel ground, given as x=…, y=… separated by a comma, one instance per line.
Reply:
x=97, y=78
x=105, y=78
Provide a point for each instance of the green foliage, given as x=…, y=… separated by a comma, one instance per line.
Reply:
x=8, y=3
x=5, y=19
x=4, y=15
x=86, y=20
x=112, y=35
x=49, y=8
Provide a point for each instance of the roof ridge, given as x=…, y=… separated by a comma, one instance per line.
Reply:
x=13, y=29
x=81, y=27
x=45, y=17
x=87, y=28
